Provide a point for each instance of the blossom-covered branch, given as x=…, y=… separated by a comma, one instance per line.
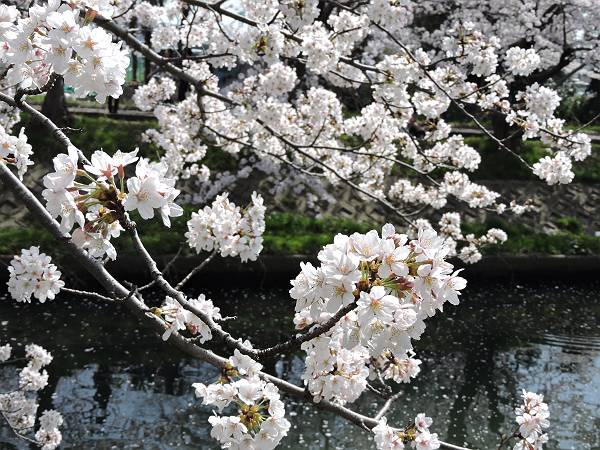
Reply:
x=143, y=312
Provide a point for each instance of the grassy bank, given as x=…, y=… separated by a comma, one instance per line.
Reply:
x=569, y=239
x=288, y=233
x=90, y=134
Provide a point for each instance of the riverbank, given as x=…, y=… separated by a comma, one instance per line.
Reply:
x=278, y=270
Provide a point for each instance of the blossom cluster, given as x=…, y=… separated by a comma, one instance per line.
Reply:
x=94, y=197
x=389, y=286
x=450, y=222
x=160, y=19
x=469, y=46
x=5, y=352
x=532, y=418
x=537, y=119
x=15, y=150
x=256, y=420
x=226, y=228
x=52, y=40
x=182, y=134
x=456, y=184
x=390, y=367
x=33, y=274
x=150, y=95
x=511, y=19
x=521, y=61
x=417, y=435
x=180, y=318
x=19, y=406
x=450, y=227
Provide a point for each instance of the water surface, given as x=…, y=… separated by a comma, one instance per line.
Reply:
x=119, y=387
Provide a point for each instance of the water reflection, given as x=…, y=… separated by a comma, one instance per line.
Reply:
x=120, y=388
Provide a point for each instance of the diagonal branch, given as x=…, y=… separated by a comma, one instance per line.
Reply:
x=88, y=294
x=292, y=343
x=142, y=312
x=16, y=431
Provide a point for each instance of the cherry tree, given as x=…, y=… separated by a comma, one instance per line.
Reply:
x=312, y=95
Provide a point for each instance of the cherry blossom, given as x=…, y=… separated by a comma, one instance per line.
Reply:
x=307, y=97
x=389, y=310
x=33, y=274
x=95, y=198
x=259, y=421
x=5, y=352
x=532, y=418
x=15, y=150
x=178, y=318
x=416, y=435
x=226, y=228
x=554, y=170
x=52, y=40
x=522, y=61
x=149, y=96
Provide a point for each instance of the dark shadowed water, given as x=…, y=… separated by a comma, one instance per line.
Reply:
x=121, y=388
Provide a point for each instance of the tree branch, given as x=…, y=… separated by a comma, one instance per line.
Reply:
x=140, y=310
x=87, y=294
x=164, y=63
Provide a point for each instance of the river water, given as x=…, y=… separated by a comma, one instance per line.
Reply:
x=121, y=388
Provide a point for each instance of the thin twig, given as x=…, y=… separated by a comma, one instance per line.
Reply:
x=386, y=406
x=88, y=294
x=196, y=269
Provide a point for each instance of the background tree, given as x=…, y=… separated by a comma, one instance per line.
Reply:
x=55, y=104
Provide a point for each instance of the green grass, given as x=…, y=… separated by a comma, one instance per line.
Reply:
x=590, y=129
x=289, y=233
x=286, y=233
x=497, y=164
x=524, y=240
x=90, y=134
x=109, y=134
x=87, y=102
x=104, y=133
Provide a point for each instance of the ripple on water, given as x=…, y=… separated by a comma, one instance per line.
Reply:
x=584, y=344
